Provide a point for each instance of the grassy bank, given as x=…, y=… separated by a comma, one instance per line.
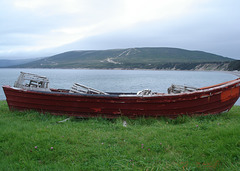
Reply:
x=32, y=141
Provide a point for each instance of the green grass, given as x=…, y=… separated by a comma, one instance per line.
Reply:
x=198, y=143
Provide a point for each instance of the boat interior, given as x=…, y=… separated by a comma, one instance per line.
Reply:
x=29, y=81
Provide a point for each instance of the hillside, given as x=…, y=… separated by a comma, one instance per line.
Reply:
x=234, y=65
x=143, y=58
x=7, y=62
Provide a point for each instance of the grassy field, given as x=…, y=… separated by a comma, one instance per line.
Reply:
x=33, y=141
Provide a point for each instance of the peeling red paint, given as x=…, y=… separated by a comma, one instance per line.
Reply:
x=97, y=109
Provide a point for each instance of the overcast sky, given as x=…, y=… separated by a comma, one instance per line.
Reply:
x=37, y=28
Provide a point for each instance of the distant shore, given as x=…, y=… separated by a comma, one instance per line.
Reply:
x=142, y=69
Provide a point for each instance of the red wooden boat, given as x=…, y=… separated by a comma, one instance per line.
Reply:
x=32, y=92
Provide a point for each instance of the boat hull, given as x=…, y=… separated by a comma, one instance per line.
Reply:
x=212, y=100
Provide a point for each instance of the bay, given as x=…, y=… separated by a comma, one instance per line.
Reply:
x=120, y=80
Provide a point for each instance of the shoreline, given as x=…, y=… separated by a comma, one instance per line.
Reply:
x=235, y=71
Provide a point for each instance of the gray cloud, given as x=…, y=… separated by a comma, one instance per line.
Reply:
x=212, y=29
x=208, y=25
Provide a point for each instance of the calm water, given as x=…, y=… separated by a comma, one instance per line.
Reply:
x=119, y=80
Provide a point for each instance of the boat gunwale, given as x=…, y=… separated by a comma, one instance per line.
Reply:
x=213, y=89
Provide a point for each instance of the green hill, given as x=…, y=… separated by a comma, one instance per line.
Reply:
x=127, y=58
x=13, y=62
x=234, y=65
